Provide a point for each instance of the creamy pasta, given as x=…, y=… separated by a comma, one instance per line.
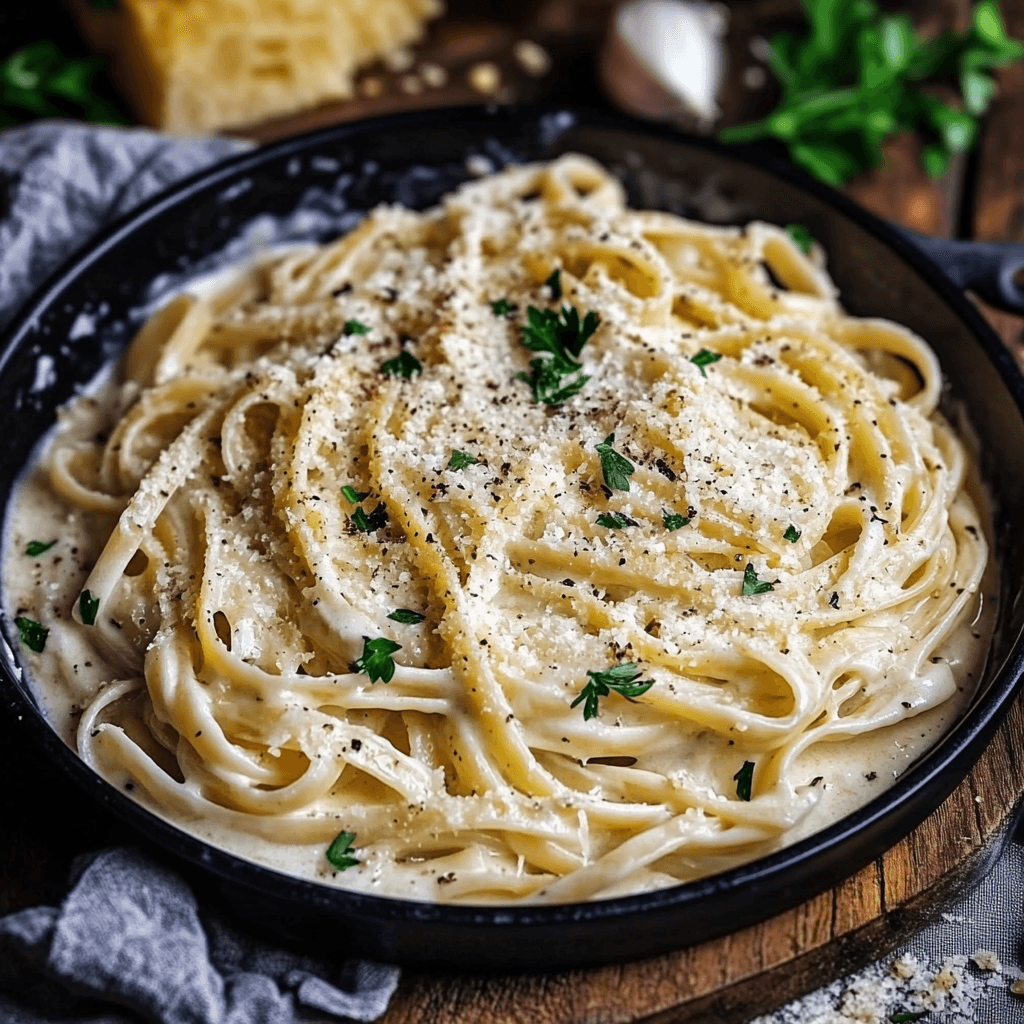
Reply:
x=541, y=548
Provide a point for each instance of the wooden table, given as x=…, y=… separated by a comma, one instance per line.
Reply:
x=731, y=979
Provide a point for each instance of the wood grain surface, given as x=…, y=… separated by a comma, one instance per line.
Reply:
x=732, y=979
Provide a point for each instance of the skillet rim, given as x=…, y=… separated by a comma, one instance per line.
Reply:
x=911, y=800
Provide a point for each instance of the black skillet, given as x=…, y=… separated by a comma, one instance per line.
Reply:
x=316, y=185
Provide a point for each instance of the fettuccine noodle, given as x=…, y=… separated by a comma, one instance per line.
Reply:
x=347, y=432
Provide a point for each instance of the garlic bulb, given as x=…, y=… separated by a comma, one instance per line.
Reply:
x=665, y=59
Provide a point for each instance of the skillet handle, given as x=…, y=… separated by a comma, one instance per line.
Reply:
x=995, y=270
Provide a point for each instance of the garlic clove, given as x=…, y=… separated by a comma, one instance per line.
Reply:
x=665, y=59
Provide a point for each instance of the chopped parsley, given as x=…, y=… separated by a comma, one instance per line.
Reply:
x=406, y=616
x=37, y=547
x=460, y=460
x=705, y=357
x=907, y=1017
x=376, y=520
x=352, y=495
x=615, y=520
x=617, y=469
x=376, y=660
x=405, y=364
x=33, y=634
x=339, y=853
x=502, y=307
x=673, y=520
x=752, y=585
x=88, y=606
x=800, y=237
x=355, y=327
x=554, y=282
x=792, y=534
x=744, y=779
x=620, y=678
x=555, y=375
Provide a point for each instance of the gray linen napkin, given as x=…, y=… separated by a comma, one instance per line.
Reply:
x=60, y=183
x=128, y=934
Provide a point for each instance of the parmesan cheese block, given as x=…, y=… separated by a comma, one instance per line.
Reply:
x=200, y=65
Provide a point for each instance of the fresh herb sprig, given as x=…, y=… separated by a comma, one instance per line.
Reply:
x=855, y=79
x=705, y=357
x=376, y=520
x=744, y=780
x=376, y=660
x=752, y=585
x=88, y=606
x=405, y=364
x=340, y=854
x=460, y=460
x=406, y=616
x=620, y=678
x=615, y=468
x=800, y=237
x=558, y=338
x=615, y=520
x=33, y=634
x=673, y=521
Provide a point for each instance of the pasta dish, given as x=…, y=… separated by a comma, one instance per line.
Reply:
x=530, y=547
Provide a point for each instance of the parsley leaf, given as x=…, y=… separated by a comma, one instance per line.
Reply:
x=792, y=534
x=907, y=1017
x=620, y=678
x=340, y=854
x=33, y=634
x=355, y=327
x=673, y=520
x=376, y=660
x=37, y=547
x=88, y=606
x=752, y=585
x=502, y=307
x=744, y=779
x=801, y=237
x=406, y=616
x=617, y=469
x=705, y=357
x=376, y=520
x=405, y=364
x=615, y=520
x=856, y=77
x=352, y=495
x=554, y=282
x=460, y=460
x=556, y=374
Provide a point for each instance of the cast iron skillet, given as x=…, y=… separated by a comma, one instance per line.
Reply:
x=315, y=186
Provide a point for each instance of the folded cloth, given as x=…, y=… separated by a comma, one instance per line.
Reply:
x=60, y=183
x=129, y=934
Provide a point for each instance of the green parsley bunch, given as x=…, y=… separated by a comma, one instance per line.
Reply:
x=39, y=81
x=856, y=78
